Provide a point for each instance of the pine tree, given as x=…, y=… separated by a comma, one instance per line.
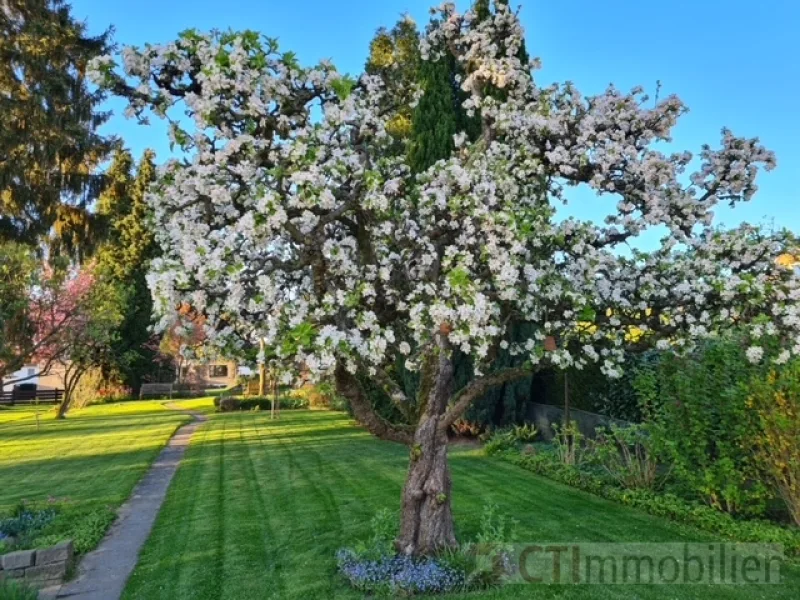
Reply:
x=49, y=143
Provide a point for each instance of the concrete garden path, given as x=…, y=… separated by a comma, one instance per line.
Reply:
x=102, y=573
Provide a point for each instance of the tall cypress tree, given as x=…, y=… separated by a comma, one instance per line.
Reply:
x=49, y=117
x=503, y=404
x=438, y=116
x=124, y=258
x=435, y=117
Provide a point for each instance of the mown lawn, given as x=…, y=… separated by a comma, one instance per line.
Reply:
x=88, y=463
x=258, y=509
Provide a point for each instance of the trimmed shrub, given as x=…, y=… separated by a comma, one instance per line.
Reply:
x=231, y=403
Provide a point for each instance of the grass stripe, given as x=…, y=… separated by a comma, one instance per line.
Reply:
x=297, y=489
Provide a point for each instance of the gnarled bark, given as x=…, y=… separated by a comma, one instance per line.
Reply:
x=426, y=524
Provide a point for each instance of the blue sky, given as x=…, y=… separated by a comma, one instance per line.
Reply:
x=736, y=63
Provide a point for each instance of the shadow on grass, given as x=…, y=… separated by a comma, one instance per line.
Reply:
x=85, y=425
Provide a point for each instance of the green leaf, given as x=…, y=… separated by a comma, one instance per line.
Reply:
x=458, y=278
x=223, y=59
x=343, y=87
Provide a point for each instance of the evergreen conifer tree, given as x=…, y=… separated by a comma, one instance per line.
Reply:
x=49, y=142
x=124, y=258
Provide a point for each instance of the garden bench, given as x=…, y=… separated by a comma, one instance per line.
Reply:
x=155, y=389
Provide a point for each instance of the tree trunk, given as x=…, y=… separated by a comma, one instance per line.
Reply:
x=71, y=379
x=262, y=373
x=274, y=404
x=64, y=406
x=426, y=524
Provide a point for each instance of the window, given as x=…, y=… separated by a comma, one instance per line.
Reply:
x=218, y=371
x=31, y=371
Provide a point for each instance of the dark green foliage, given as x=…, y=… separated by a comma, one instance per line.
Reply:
x=698, y=407
x=49, y=143
x=18, y=277
x=504, y=404
x=380, y=399
x=13, y=590
x=435, y=117
x=124, y=259
x=482, y=9
x=592, y=391
x=230, y=404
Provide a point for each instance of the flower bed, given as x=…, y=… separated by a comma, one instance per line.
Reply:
x=398, y=575
x=659, y=504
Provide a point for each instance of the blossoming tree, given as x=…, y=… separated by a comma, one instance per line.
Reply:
x=290, y=219
x=76, y=319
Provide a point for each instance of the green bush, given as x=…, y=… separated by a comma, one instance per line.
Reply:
x=698, y=413
x=504, y=439
x=12, y=590
x=630, y=455
x=383, y=527
x=26, y=520
x=91, y=529
x=486, y=560
x=776, y=400
x=320, y=395
x=85, y=526
x=658, y=504
x=230, y=404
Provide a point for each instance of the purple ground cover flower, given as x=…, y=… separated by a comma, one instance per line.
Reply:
x=398, y=574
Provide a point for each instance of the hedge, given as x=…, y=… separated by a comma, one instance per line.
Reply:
x=229, y=404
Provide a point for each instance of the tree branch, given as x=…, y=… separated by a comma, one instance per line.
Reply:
x=348, y=385
x=468, y=394
x=392, y=389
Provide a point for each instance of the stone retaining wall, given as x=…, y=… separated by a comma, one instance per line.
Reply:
x=38, y=568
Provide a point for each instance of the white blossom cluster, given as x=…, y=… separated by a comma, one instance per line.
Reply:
x=292, y=218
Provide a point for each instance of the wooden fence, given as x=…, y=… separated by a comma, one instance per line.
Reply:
x=31, y=397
